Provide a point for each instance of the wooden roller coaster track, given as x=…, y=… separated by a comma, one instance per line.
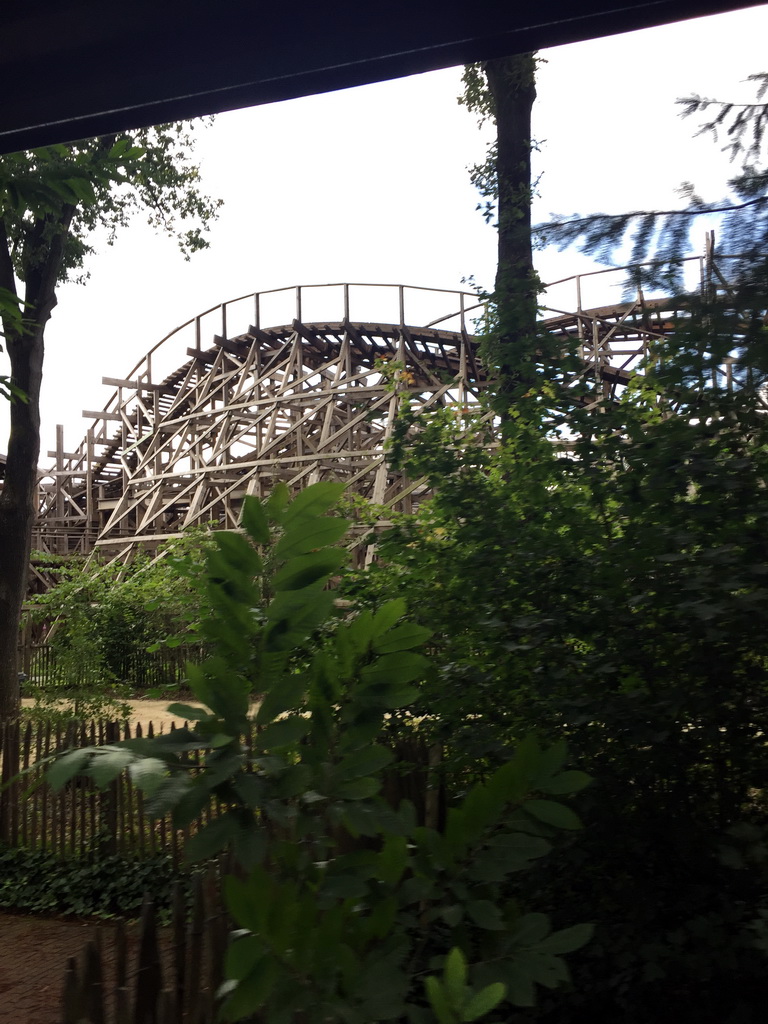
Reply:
x=306, y=392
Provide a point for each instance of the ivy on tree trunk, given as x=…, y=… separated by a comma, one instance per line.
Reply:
x=510, y=349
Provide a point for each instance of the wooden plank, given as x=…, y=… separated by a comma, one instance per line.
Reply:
x=93, y=985
x=149, y=974
x=179, y=932
x=72, y=1004
x=102, y=415
x=204, y=357
x=38, y=790
x=235, y=348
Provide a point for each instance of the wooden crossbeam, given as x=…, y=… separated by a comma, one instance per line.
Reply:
x=103, y=414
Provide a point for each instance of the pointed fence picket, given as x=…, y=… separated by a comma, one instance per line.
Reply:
x=80, y=820
x=166, y=975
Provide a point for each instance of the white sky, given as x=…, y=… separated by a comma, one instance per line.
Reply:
x=371, y=185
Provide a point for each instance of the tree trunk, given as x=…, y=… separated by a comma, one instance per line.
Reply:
x=18, y=501
x=18, y=498
x=512, y=351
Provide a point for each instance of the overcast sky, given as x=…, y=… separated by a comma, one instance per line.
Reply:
x=371, y=184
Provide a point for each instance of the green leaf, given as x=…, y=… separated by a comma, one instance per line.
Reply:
x=392, y=860
x=284, y=732
x=485, y=915
x=386, y=698
x=82, y=188
x=67, y=766
x=189, y=712
x=250, y=845
x=552, y=813
x=365, y=761
x=239, y=554
x=566, y=783
x=317, y=533
x=253, y=991
x=109, y=763
x=344, y=887
x=248, y=901
x=402, y=667
x=148, y=773
x=552, y=759
x=389, y=613
x=293, y=615
x=185, y=799
x=277, y=502
x=285, y=695
x=520, y=985
x=313, y=501
x=310, y=569
x=243, y=955
x=402, y=638
x=548, y=970
x=484, y=1001
x=438, y=1001
x=358, y=789
x=212, y=838
x=254, y=520
x=567, y=940
x=295, y=780
x=529, y=929
x=453, y=915
x=455, y=978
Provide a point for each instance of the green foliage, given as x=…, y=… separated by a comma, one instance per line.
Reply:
x=36, y=881
x=103, y=621
x=102, y=183
x=611, y=593
x=345, y=903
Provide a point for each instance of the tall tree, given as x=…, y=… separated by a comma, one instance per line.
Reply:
x=51, y=200
x=504, y=91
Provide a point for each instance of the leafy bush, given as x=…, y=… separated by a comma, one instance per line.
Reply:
x=348, y=906
x=104, y=624
x=38, y=881
x=613, y=592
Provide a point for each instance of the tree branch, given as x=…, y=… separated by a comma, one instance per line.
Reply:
x=696, y=211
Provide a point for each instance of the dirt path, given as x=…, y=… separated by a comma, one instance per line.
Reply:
x=33, y=959
x=34, y=950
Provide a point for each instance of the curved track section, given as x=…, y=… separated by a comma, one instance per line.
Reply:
x=193, y=428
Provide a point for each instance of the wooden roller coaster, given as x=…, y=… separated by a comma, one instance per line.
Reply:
x=194, y=427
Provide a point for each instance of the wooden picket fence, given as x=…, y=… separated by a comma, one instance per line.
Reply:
x=45, y=669
x=80, y=820
x=157, y=975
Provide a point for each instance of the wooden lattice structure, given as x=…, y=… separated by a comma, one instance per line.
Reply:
x=307, y=391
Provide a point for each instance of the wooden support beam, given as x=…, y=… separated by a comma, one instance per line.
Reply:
x=102, y=415
x=235, y=348
x=204, y=357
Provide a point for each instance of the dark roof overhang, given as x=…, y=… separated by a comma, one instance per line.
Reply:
x=74, y=69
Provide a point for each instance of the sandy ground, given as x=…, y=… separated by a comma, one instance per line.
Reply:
x=146, y=711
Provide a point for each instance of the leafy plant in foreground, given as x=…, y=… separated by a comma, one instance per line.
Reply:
x=347, y=906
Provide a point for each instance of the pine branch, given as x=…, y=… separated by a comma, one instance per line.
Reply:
x=696, y=211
